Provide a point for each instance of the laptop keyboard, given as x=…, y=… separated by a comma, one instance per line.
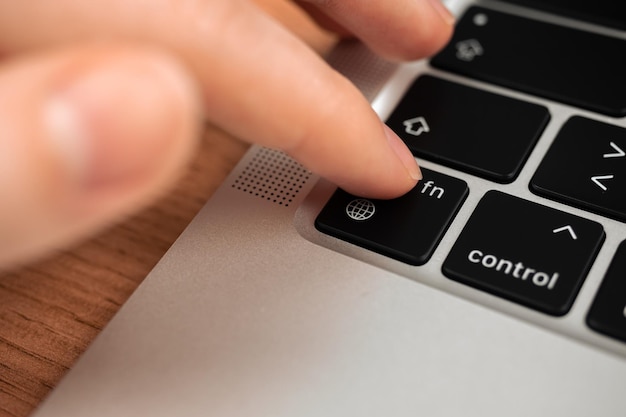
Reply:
x=519, y=250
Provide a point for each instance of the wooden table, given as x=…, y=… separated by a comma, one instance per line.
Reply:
x=50, y=311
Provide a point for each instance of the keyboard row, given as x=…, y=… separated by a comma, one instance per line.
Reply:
x=491, y=136
x=513, y=248
x=510, y=247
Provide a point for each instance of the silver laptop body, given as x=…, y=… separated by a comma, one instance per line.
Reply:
x=254, y=312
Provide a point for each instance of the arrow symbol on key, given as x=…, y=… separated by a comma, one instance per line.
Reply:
x=598, y=178
x=416, y=126
x=618, y=154
x=566, y=228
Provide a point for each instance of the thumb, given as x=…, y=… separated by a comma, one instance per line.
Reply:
x=87, y=136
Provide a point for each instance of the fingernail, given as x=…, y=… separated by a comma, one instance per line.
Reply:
x=404, y=154
x=443, y=11
x=112, y=124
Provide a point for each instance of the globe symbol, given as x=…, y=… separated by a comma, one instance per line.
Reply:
x=360, y=209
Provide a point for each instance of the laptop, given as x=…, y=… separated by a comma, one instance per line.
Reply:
x=496, y=287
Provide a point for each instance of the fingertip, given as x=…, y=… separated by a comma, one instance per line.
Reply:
x=403, y=153
x=397, y=180
x=378, y=165
x=390, y=173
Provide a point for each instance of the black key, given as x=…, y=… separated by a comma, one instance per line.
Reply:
x=485, y=134
x=525, y=252
x=586, y=167
x=579, y=68
x=608, y=312
x=407, y=228
x=604, y=12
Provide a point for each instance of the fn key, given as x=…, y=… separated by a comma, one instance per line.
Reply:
x=406, y=228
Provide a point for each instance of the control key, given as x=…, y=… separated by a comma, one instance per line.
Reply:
x=525, y=252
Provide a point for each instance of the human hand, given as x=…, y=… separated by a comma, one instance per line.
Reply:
x=101, y=102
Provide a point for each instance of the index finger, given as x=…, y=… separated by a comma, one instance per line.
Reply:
x=259, y=81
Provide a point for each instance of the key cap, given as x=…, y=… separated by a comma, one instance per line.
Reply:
x=525, y=252
x=604, y=12
x=586, y=167
x=579, y=68
x=608, y=312
x=481, y=133
x=407, y=228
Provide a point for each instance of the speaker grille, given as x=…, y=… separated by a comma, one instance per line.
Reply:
x=272, y=176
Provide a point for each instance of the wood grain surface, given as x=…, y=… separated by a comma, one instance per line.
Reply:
x=50, y=311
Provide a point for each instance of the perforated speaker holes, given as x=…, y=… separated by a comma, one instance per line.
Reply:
x=273, y=176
